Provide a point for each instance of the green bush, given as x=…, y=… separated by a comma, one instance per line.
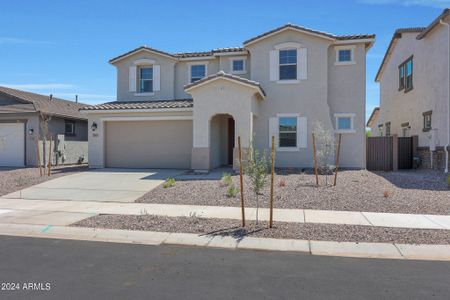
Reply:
x=170, y=182
x=226, y=179
x=232, y=191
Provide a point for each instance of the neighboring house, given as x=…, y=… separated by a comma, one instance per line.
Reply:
x=186, y=110
x=22, y=127
x=414, y=89
x=371, y=123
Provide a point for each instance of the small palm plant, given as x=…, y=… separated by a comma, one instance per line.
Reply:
x=170, y=182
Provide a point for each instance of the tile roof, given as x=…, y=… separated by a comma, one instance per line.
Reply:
x=433, y=24
x=153, y=104
x=32, y=102
x=229, y=76
x=325, y=34
x=372, y=117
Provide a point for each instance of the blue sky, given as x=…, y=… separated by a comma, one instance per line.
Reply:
x=63, y=47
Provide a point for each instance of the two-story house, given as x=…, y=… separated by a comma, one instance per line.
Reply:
x=415, y=90
x=186, y=110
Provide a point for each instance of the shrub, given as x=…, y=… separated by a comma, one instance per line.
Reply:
x=448, y=180
x=226, y=179
x=170, y=182
x=232, y=191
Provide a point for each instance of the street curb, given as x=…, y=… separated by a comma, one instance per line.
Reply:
x=327, y=248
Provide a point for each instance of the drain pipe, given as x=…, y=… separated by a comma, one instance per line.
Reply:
x=448, y=91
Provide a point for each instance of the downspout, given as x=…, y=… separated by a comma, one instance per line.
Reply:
x=448, y=94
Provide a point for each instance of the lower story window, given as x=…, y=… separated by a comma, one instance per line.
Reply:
x=287, y=131
x=344, y=122
x=69, y=127
x=388, y=129
x=427, y=121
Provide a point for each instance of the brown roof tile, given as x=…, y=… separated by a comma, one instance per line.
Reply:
x=154, y=104
x=41, y=103
x=433, y=24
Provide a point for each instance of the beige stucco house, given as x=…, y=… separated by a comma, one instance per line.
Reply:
x=415, y=89
x=186, y=110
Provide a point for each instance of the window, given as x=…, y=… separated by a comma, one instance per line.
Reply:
x=238, y=65
x=380, y=129
x=69, y=127
x=287, y=132
x=388, y=129
x=345, y=55
x=344, y=122
x=146, y=80
x=405, y=75
x=288, y=64
x=427, y=121
x=197, y=72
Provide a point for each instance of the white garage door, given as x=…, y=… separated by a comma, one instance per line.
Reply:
x=148, y=144
x=12, y=144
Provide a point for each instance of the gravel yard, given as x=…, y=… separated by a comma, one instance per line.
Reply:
x=423, y=191
x=12, y=180
x=224, y=227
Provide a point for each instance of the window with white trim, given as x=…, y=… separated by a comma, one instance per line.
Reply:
x=197, y=72
x=146, y=79
x=69, y=127
x=238, y=65
x=287, y=132
x=344, y=122
x=288, y=64
x=345, y=55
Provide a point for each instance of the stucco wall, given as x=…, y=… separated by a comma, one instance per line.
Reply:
x=430, y=82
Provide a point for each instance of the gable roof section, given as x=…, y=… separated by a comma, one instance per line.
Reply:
x=31, y=102
x=373, y=117
x=153, y=104
x=308, y=31
x=397, y=35
x=226, y=76
x=433, y=24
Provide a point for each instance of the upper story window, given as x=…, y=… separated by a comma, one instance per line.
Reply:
x=405, y=75
x=197, y=72
x=427, y=120
x=287, y=132
x=345, y=55
x=146, y=80
x=288, y=64
x=344, y=122
x=238, y=65
x=69, y=127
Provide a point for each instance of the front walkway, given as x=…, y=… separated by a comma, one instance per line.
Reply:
x=280, y=215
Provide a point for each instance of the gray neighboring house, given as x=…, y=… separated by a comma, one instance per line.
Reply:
x=22, y=129
x=186, y=110
x=415, y=90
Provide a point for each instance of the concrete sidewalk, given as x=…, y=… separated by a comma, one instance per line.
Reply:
x=280, y=215
x=348, y=249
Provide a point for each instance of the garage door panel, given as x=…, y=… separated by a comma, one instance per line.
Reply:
x=12, y=144
x=148, y=144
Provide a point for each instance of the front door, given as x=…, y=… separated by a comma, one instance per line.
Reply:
x=230, y=140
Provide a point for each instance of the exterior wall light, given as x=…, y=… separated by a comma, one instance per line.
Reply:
x=94, y=126
x=31, y=131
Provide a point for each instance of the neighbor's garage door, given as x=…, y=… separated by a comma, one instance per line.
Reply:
x=148, y=144
x=12, y=144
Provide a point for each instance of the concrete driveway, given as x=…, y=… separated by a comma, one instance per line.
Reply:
x=104, y=185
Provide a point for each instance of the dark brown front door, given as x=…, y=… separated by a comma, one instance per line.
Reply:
x=230, y=140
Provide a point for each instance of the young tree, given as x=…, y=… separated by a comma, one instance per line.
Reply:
x=325, y=149
x=257, y=169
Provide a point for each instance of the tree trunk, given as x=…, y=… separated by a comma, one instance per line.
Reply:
x=257, y=207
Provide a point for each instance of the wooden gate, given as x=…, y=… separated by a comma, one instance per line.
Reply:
x=379, y=153
x=405, y=153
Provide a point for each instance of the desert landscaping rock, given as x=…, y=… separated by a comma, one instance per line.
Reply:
x=232, y=228
x=421, y=191
x=12, y=180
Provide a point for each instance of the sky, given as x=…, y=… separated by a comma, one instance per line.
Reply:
x=63, y=47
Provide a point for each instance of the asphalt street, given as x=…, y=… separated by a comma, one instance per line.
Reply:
x=69, y=269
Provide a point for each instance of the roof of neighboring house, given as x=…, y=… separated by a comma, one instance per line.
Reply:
x=308, y=30
x=154, y=104
x=31, y=102
x=373, y=117
x=433, y=24
x=422, y=32
x=222, y=74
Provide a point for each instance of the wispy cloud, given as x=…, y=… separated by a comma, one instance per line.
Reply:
x=39, y=86
x=11, y=40
x=429, y=3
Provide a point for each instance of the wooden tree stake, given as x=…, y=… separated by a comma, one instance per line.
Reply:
x=337, y=159
x=271, y=182
x=50, y=156
x=315, y=159
x=241, y=181
x=38, y=156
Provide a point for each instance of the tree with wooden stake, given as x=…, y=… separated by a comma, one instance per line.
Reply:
x=271, y=182
x=324, y=140
x=257, y=169
x=337, y=159
x=50, y=157
x=241, y=181
x=315, y=159
x=38, y=156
